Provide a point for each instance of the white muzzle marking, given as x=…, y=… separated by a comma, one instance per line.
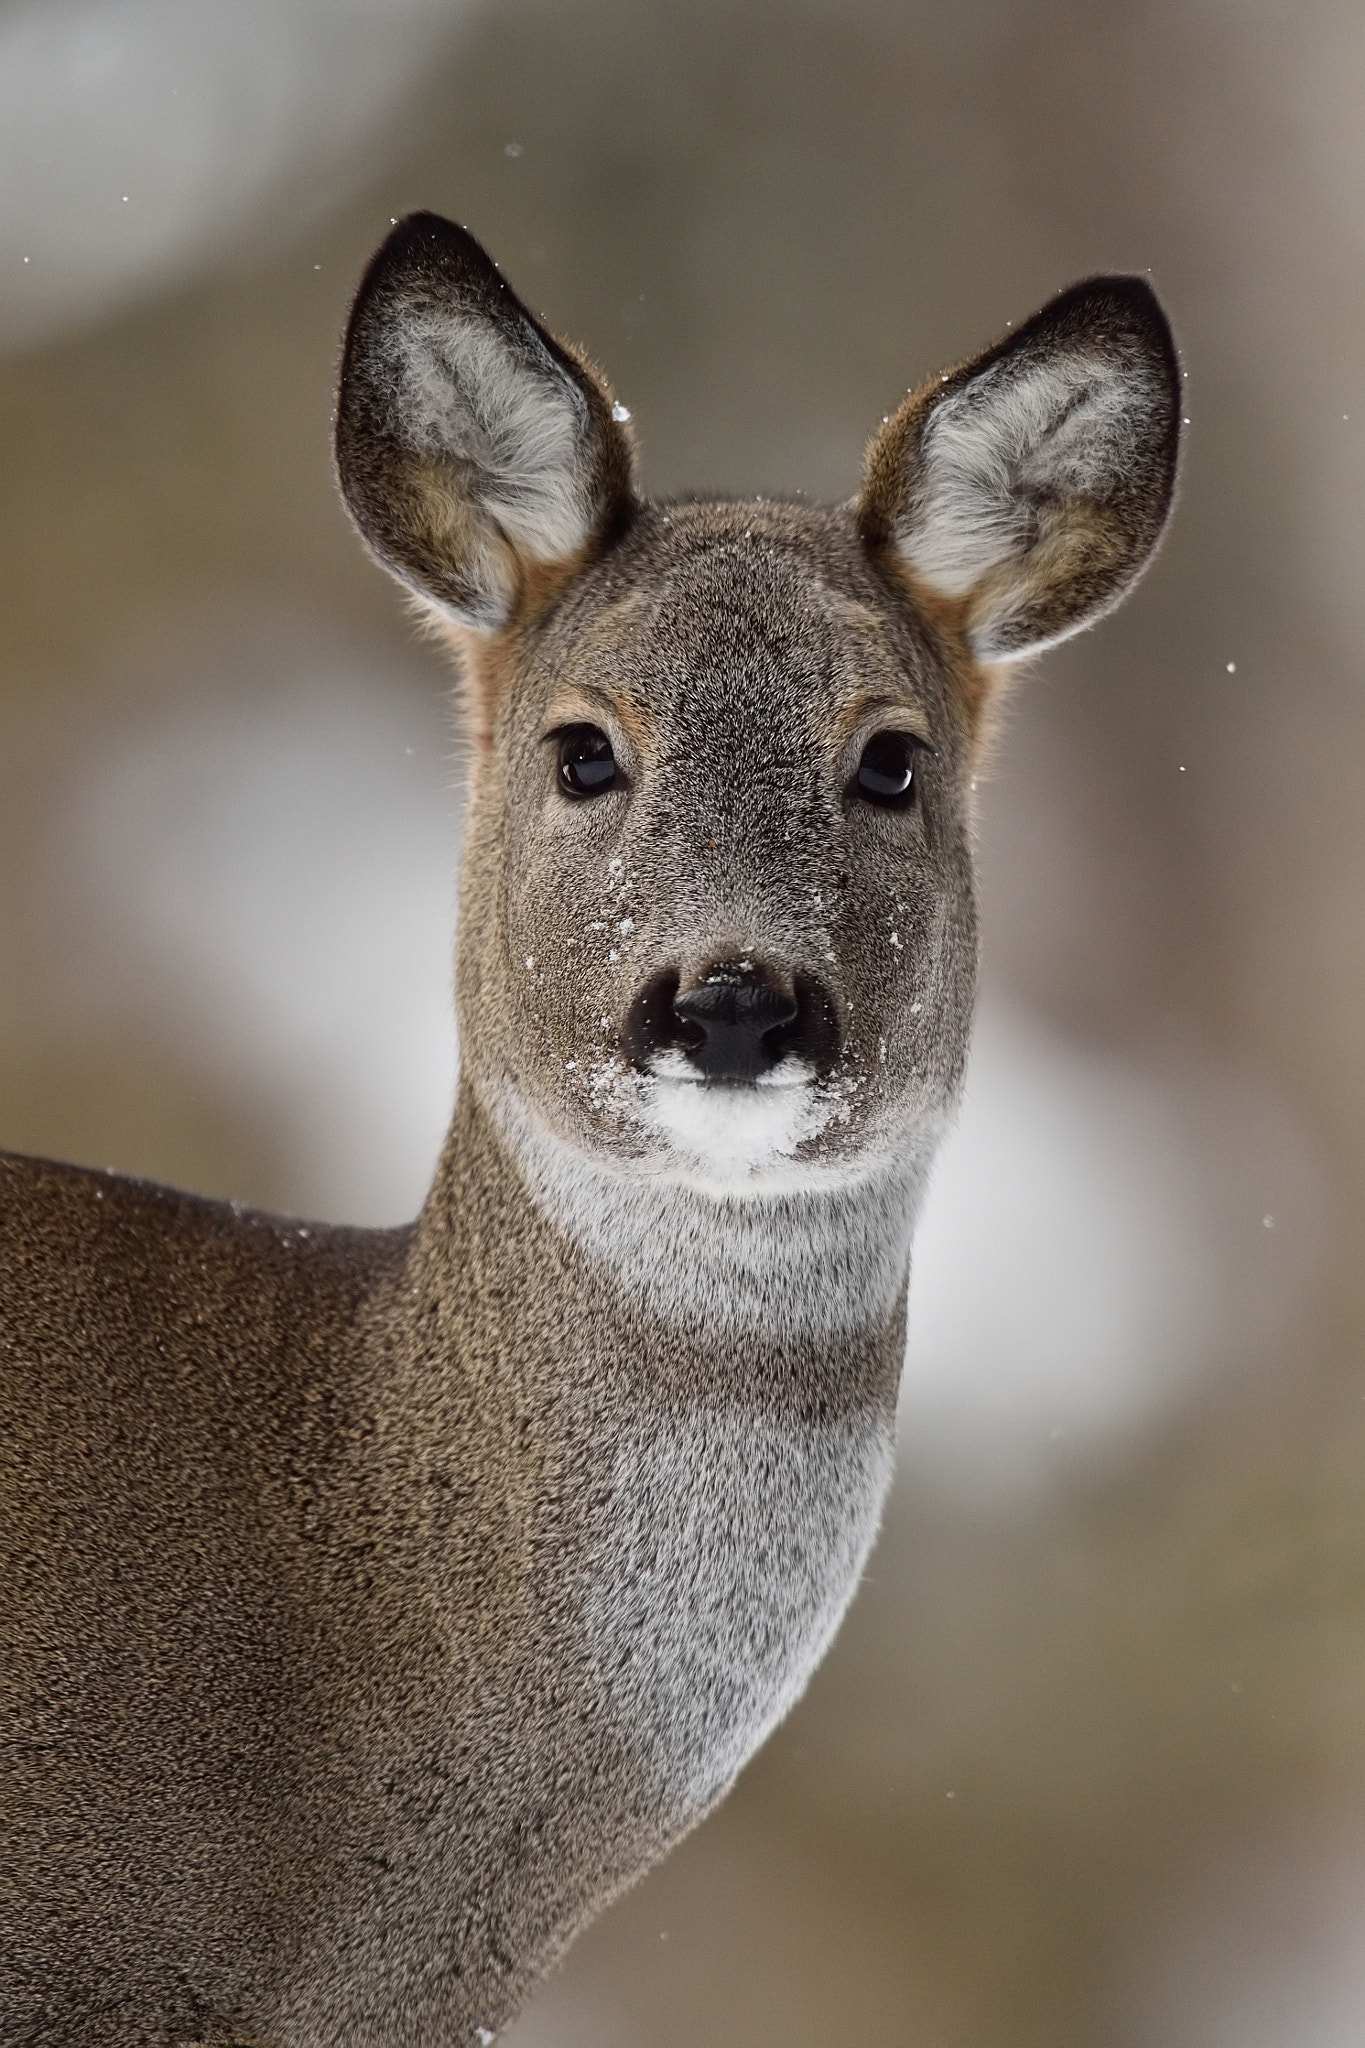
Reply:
x=733, y=1128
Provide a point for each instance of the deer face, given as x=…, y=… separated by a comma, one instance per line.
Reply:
x=726, y=905
x=717, y=918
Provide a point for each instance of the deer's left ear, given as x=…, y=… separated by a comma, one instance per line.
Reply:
x=1031, y=485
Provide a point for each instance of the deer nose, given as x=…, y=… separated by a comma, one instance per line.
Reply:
x=734, y=1021
x=729, y=1022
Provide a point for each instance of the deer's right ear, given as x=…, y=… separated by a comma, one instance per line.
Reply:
x=471, y=446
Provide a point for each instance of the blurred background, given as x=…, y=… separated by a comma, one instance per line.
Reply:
x=1087, y=1765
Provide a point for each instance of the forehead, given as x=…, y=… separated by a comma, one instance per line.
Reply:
x=731, y=614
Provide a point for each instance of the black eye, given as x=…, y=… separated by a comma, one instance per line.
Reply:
x=587, y=764
x=886, y=772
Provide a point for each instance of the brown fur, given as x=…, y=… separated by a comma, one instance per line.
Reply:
x=377, y=1603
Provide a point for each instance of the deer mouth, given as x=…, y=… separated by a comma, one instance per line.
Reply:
x=731, y=1125
x=675, y=1069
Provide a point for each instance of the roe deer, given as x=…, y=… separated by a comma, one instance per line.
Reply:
x=377, y=1604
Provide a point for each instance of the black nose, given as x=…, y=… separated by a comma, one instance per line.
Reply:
x=729, y=1023
x=734, y=1022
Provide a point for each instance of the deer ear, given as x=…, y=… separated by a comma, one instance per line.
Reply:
x=471, y=446
x=1031, y=485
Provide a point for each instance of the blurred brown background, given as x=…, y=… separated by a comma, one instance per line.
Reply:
x=1087, y=1765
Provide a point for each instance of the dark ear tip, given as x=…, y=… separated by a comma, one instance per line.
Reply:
x=1127, y=288
x=423, y=231
x=423, y=246
x=1115, y=301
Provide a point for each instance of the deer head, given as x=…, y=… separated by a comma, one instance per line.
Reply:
x=717, y=922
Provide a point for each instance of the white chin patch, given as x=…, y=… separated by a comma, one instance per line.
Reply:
x=732, y=1127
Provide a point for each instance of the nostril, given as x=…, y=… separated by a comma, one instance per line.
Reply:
x=651, y=1025
x=813, y=1034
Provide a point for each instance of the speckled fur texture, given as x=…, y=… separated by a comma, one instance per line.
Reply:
x=377, y=1604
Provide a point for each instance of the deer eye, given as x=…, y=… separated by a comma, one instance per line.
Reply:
x=886, y=772
x=587, y=765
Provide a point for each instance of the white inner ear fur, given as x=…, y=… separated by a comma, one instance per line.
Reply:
x=512, y=419
x=1011, y=438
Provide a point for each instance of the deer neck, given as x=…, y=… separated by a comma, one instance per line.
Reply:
x=704, y=1479
x=809, y=1264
